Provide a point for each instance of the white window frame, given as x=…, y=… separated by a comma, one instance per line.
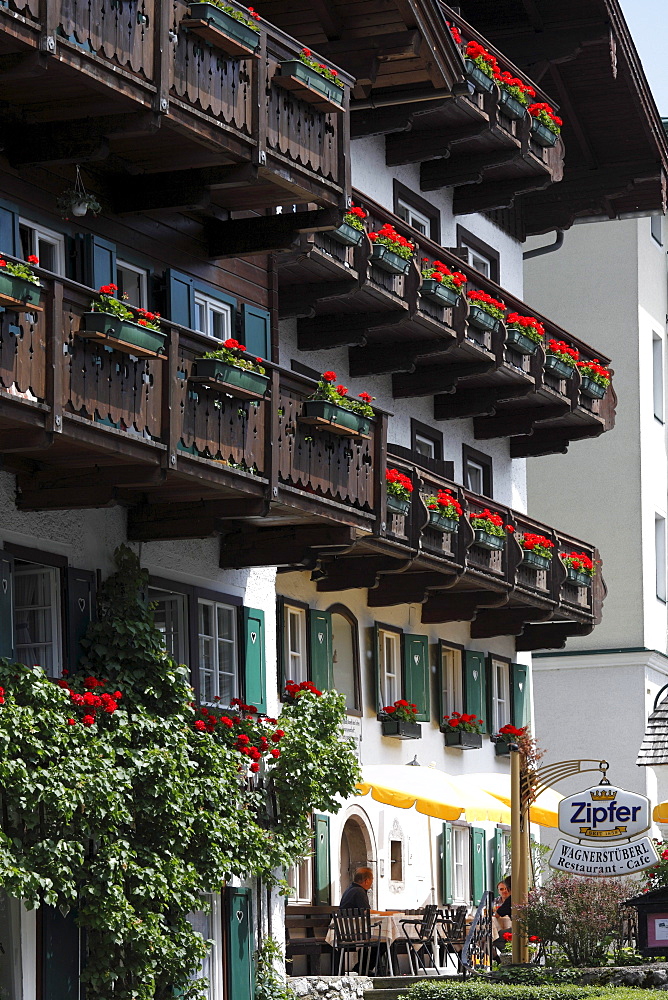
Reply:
x=49, y=236
x=501, y=707
x=656, y=221
x=56, y=644
x=212, y=304
x=461, y=864
x=296, y=654
x=142, y=274
x=214, y=973
x=389, y=654
x=179, y=604
x=215, y=639
x=660, y=556
x=452, y=688
x=420, y=439
x=413, y=215
x=300, y=879
x=657, y=376
x=478, y=468
x=477, y=259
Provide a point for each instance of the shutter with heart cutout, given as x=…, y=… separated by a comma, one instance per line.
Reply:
x=6, y=605
x=417, y=674
x=519, y=694
x=475, y=686
x=238, y=945
x=478, y=863
x=321, y=861
x=322, y=666
x=80, y=584
x=255, y=667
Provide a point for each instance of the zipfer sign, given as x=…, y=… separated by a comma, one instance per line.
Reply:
x=596, y=817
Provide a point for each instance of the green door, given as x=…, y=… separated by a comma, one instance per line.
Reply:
x=478, y=864
x=417, y=674
x=60, y=954
x=255, y=672
x=323, y=878
x=322, y=667
x=475, y=687
x=239, y=944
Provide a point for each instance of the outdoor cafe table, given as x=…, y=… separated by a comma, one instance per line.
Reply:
x=390, y=929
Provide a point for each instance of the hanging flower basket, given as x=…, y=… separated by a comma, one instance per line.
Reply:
x=387, y=260
x=511, y=107
x=463, y=740
x=520, y=342
x=232, y=35
x=401, y=730
x=559, y=368
x=122, y=334
x=592, y=389
x=437, y=292
x=317, y=86
x=347, y=235
x=17, y=294
x=229, y=378
x=337, y=419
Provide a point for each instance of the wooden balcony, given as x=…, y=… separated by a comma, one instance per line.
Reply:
x=343, y=299
x=166, y=119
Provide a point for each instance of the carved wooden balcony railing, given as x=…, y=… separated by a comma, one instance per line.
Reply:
x=168, y=120
x=341, y=298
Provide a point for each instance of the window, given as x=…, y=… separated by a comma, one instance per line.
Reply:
x=212, y=317
x=660, y=555
x=477, y=471
x=296, y=658
x=657, y=375
x=417, y=212
x=217, y=636
x=45, y=244
x=656, y=227
x=452, y=696
x=396, y=861
x=390, y=666
x=208, y=923
x=425, y=440
x=300, y=879
x=413, y=217
x=461, y=862
x=500, y=693
x=37, y=616
x=345, y=656
x=480, y=255
x=132, y=282
x=170, y=617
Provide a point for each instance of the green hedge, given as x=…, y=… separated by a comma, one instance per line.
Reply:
x=478, y=990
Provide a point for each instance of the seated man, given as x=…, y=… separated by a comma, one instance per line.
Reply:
x=356, y=895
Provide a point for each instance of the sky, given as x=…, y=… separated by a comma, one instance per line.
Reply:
x=646, y=20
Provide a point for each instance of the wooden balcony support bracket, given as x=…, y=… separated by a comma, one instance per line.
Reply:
x=54, y=488
x=343, y=329
x=460, y=607
x=162, y=14
x=520, y=421
x=49, y=18
x=388, y=358
x=300, y=300
x=150, y=522
x=356, y=572
x=187, y=190
x=471, y=402
x=409, y=588
x=54, y=356
x=79, y=140
x=411, y=146
x=455, y=171
x=550, y=635
x=506, y=621
x=496, y=194
x=441, y=378
x=266, y=234
x=292, y=546
x=551, y=440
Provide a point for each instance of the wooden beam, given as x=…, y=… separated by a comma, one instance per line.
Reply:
x=417, y=145
x=552, y=440
x=519, y=421
x=17, y=440
x=558, y=45
x=343, y=329
x=441, y=378
x=465, y=169
x=22, y=66
x=408, y=588
x=471, y=402
x=459, y=607
x=496, y=194
x=550, y=635
x=66, y=498
x=265, y=234
x=385, y=359
x=506, y=621
x=188, y=190
x=355, y=572
x=299, y=300
x=53, y=478
x=76, y=140
x=293, y=545
x=189, y=520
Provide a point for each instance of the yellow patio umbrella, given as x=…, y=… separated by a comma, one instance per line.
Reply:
x=431, y=791
x=660, y=814
x=543, y=812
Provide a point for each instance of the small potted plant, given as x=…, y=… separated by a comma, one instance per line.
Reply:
x=75, y=204
x=537, y=550
x=131, y=331
x=351, y=231
x=399, y=489
x=488, y=530
x=444, y=512
x=595, y=379
x=545, y=124
x=485, y=312
x=524, y=333
x=311, y=81
x=331, y=408
x=462, y=731
x=580, y=569
x=391, y=251
x=481, y=66
x=508, y=735
x=399, y=720
x=440, y=284
x=560, y=358
x=234, y=30
x=231, y=370
x=20, y=288
x=515, y=95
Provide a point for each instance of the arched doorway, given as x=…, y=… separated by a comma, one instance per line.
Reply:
x=357, y=851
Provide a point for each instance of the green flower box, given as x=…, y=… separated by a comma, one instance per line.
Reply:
x=436, y=291
x=502, y=749
x=511, y=107
x=309, y=85
x=465, y=741
x=397, y=505
x=328, y=416
x=347, y=235
x=578, y=578
x=481, y=82
x=17, y=294
x=387, y=260
x=401, y=730
x=235, y=381
x=558, y=367
x=542, y=135
x=486, y=541
x=592, y=389
x=482, y=320
x=131, y=338
x=532, y=559
x=520, y=342
x=438, y=522
x=223, y=31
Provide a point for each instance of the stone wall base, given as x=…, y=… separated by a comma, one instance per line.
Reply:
x=331, y=987
x=645, y=976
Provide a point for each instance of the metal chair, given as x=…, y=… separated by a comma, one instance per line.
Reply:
x=352, y=933
x=422, y=936
x=452, y=933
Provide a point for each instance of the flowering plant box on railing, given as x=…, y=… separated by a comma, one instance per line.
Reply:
x=595, y=379
x=486, y=541
x=225, y=28
x=351, y=231
x=559, y=368
x=592, y=389
x=444, y=512
x=485, y=312
x=488, y=530
x=312, y=82
x=580, y=568
x=462, y=740
x=337, y=419
x=545, y=125
x=20, y=290
x=535, y=560
x=537, y=550
x=520, y=342
x=229, y=378
x=124, y=335
x=511, y=107
x=401, y=730
x=440, y=294
x=387, y=260
x=462, y=730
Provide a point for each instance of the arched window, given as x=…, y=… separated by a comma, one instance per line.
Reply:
x=346, y=656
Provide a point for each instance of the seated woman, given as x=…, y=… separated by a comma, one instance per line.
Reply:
x=501, y=921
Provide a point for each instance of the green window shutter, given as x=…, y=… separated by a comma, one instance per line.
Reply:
x=60, y=955
x=255, y=670
x=99, y=261
x=180, y=298
x=320, y=632
x=478, y=863
x=519, y=693
x=239, y=943
x=499, y=860
x=445, y=852
x=323, y=877
x=256, y=330
x=80, y=584
x=10, y=240
x=417, y=674
x=280, y=644
x=7, y=605
x=475, y=686
x=377, y=684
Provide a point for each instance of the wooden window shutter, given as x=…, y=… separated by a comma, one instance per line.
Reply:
x=255, y=671
x=80, y=589
x=239, y=942
x=280, y=644
x=320, y=634
x=322, y=871
x=376, y=678
x=417, y=674
x=256, y=330
x=519, y=693
x=478, y=864
x=445, y=853
x=10, y=240
x=99, y=261
x=61, y=952
x=180, y=305
x=7, y=605
x=475, y=686
x=499, y=859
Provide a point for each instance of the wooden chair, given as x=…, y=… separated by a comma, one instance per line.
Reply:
x=353, y=933
x=452, y=933
x=421, y=934
x=305, y=931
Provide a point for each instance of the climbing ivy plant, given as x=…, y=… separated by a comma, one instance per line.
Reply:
x=122, y=802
